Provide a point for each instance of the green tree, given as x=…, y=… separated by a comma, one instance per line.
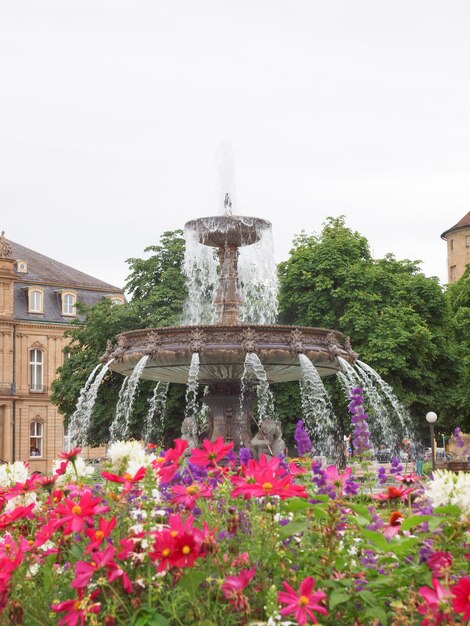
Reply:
x=458, y=295
x=396, y=317
x=157, y=294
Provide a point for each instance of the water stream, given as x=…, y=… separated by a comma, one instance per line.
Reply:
x=80, y=420
x=156, y=415
x=320, y=420
x=120, y=427
x=265, y=400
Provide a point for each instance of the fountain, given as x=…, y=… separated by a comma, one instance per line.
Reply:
x=222, y=354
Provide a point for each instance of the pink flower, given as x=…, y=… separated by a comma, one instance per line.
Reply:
x=461, y=600
x=233, y=587
x=436, y=603
x=71, y=455
x=408, y=479
x=126, y=479
x=75, y=515
x=76, y=610
x=188, y=495
x=212, y=453
x=168, y=465
x=336, y=479
x=265, y=478
x=304, y=603
x=439, y=562
x=394, y=524
x=393, y=493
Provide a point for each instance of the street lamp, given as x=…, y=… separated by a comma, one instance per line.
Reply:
x=431, y=418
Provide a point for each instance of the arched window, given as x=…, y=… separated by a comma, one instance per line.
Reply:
x=36, y=370
x=68, y=303
x=36, y=434
x=35, y=301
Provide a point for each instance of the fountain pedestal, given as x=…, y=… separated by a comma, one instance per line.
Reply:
x=228, y=419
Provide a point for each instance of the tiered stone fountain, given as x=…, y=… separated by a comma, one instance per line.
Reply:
x=222, y=347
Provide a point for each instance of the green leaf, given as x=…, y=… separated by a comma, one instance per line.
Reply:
x=368, y=597
x=191, y=580
x=378, y=613
x=415, y=520
x=296, y=504
x=450, y=510
x=293, y=528
x=149, y=617
x=376, y=538
x=338, y=596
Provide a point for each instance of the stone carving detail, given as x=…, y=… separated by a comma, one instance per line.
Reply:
x=268, y=440
x=198, y=340
x=152, y=346
x=109, y=351
x=248, y=341
x=347, y=346
x=296, y=342
x=38, y=345
x=121, y=349
x=5, y=248
x=332, y=345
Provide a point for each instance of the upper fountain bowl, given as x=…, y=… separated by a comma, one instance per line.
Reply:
x=228, y=230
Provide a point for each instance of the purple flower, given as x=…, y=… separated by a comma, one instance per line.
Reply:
x=304, y=445
x=458, y=439
x=396, y=466
x=382, y=475
x=361, y=435
x=245, y=455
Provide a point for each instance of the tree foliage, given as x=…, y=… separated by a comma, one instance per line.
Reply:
x=396, y=317
x=157, y=291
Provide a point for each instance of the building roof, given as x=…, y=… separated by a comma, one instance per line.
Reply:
x=44, y=270
x=463, y=223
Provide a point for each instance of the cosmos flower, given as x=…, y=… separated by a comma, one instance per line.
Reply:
x=233, y=587
x=212, y=452
x=302, y=603
x=461, y=600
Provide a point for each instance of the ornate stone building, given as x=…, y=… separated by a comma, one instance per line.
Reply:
x=37, y=303
x=458, y=248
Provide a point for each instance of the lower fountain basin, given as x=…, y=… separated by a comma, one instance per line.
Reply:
x=222, y=351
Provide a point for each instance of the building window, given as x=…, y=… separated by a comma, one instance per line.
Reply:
x=451, y=244
x=116, y=299
x=467, y=241
x=36, y=370
x=22, y=266
x=453, y=272
x=68, y=303
x=35, y=439
x=35, y=301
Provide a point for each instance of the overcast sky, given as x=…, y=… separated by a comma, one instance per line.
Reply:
x=119, y=119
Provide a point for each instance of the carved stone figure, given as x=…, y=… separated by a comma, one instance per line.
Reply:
x=249, y=340
x=296, y=342
x=5, y=248
x=189, y=433
x=268, y=440
x=198, y=340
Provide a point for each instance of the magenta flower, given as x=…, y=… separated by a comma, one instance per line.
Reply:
x=461, y=600
x=437, y=601
x=303, y=603
x=212, y=452
x=233, y=587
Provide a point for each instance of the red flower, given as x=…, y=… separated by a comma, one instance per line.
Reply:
x=439, y=562
x=212, y=453
x=394, y=524
x=71, y=455
x=11, y=516
x=436, y=602
x=233, y=587
x=188, y=495
x=169, y=464
x=265, y=478
x=304, y=603
x=76, y=610
x=179, y=545
x=126, y=479
x=461, y=600
x=98, y=535
x=75, y=515
x=393, y=493
x=84, y=571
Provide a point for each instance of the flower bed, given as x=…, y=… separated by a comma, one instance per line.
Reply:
x=205, y=539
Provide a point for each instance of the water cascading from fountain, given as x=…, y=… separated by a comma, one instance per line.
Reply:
x=192, y=386
x=320, y=420
x=265, y=399
x=389, y=422
x=80, y=420
x=156, y=415
x=120, y=427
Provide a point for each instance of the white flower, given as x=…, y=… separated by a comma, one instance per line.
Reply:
x=12, y=473
x=461, y=494
x=24, y=500
x=449, y=488
x=129, y=456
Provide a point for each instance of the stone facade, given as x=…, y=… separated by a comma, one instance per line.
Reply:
x=458, y=248
x=37, y=298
